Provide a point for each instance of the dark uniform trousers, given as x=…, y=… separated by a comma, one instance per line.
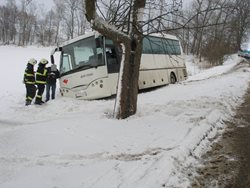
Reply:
x=41, y=76
x=40, y=90
x=29, y=80
x=30, y=92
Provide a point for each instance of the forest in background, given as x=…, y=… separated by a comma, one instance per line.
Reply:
x=207, y=28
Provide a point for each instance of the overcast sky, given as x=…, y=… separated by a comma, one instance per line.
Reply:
x=50, y=3
x=46, y=3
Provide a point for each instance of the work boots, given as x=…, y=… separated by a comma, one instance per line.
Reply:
x=28, y=102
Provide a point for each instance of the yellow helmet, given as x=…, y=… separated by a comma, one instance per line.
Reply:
x=44, y=61
x=32, y=61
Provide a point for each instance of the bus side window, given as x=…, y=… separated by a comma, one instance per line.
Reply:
x=111, y=56
x=112, y=60
x=66, y=65
x=96, y=60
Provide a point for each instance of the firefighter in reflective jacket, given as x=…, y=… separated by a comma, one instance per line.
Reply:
x=29, y=81
x=41, y=76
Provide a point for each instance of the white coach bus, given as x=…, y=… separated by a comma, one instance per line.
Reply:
x=89, y=65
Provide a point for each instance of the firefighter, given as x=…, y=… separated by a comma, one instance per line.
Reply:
x=29, y=81
x=41, y=76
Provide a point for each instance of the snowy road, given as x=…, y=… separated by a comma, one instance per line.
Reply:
x=70, y=143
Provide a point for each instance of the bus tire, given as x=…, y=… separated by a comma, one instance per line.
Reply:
x=172, y=78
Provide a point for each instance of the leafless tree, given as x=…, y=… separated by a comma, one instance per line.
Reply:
x=59, y=11
x=214, y=28
x=45, y=29
x=71, y=8
x=82, y=24
x=50, y=23
x=208, y=31
x=131, y=42
x=241, y=20
x=8, y=19
x=26, y=21
x=197, y=29
x=125, y=26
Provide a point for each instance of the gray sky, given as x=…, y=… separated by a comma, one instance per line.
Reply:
x=47, y=3
x=50, y=3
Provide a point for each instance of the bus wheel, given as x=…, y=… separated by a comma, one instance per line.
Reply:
x=172, y=78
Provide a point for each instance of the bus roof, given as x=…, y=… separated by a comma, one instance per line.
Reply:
x=95, y=33
x=163, y=35
x=87, y=35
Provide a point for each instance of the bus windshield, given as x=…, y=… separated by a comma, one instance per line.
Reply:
x=80, y=55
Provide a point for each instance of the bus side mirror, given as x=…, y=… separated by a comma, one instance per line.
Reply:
x=52, y=59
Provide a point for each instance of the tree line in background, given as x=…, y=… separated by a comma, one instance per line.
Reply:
x=26, y=24
x=216, y=28
x=206, y=28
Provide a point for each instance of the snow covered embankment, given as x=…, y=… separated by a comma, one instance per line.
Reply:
x=71, y=143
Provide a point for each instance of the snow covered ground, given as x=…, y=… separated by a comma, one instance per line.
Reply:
x=68, y=143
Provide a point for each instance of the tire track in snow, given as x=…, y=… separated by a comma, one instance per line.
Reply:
x=78, y=159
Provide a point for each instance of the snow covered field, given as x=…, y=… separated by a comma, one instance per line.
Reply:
x=68, y=143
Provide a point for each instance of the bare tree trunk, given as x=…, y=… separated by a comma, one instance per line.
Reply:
x=129, y=84
x=126, y=101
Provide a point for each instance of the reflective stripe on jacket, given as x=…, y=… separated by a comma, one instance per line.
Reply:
x=41, y=75
x=29, y=75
